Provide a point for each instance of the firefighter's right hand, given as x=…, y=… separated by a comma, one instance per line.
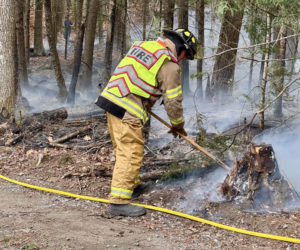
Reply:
x=175, y=131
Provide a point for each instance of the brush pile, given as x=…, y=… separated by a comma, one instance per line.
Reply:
x=256, y=182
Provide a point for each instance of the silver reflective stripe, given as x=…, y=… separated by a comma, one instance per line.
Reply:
x=172, y=93
x=121, y=84
x=121, y=192
x=166, y=52
x=177, y=121
x=129, y=70
x=123, y=103
x=142, y=56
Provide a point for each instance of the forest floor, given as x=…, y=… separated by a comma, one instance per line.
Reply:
x=31, y=219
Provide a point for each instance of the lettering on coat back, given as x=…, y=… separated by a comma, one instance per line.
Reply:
x=142, y=56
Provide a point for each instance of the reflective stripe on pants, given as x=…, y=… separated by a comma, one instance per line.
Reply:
x=128, y=142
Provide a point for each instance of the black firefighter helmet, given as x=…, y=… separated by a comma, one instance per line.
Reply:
x=187, y=38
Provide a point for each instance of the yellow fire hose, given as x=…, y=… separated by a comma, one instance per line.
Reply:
x=164, y=210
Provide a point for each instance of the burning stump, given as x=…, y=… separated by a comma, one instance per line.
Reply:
x=256, y=180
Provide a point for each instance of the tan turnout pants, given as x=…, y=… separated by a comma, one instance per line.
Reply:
x=128, y=143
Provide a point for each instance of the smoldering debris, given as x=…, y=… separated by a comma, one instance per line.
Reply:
x=256, y=182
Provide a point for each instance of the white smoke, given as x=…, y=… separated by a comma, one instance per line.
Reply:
x=286, y=144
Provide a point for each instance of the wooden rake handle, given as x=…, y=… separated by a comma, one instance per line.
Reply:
x=222, y=164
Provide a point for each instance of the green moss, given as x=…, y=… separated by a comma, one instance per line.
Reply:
x=181, y=170
x=217, y=144
x=5, y=239
x=66, y=158
x=30, y=246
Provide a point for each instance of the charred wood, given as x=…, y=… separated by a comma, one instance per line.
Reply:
x=46, y=116
x=256, y=180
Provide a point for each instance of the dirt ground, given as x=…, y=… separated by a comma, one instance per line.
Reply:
x=32, y=219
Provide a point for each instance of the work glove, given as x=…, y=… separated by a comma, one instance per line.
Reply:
x=177, y=129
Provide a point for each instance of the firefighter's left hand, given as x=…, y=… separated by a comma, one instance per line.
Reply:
x=177, y=131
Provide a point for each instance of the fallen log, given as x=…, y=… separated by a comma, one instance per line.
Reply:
x=152, y=176
x=70, y=136
x=46, y=116
x=256, y=180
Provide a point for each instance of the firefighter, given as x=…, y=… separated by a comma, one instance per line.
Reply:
x=148, y=71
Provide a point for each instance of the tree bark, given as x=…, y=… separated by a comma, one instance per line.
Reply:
x=124, y=47
x=169, y=14
x=67, y=27
x=101, y=22
x=76, y=67
x=183, y=18
x=200, y=23
x=77, y=54
x=26, y=29
x=265, y=75
x=62, y=90
x=145, y=12
x=38, y=29
x=7, y=59
x=20, y=34
x=109, y=44
x=54, y=9
x=280, y=71
x=85, y=83
x=60, y=9
x=119, y=29
x=224, y=67
x=160, y=14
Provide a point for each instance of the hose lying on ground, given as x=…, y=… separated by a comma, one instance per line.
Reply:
x=164, y=210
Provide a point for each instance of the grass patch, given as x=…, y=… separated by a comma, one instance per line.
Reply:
x=5, y=239
x=30, y=246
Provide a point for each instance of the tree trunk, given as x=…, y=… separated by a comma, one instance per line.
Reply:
x=26, y=29
x=251, y=70
x=62, y=90
x=67, y=27
x=160, y=14
x=60, y=9
x=125, y=30
x=200, y=22
x=119, y=25
x=265, y=75
x=77, y=56
x=280, y=71
x=183, y=18
x=145, y=13
x=38, y=29
x=85, y=83
x=76, y=67
x=22, y=63
x=7, y=59
x=54, y=9
x=223, y=75
x=252, y=50
x=109, y=44
x=291, y=51
x=169, y=14
x=100, y=22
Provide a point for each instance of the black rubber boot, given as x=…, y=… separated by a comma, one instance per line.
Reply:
x=142, y=188
x=126, y=210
